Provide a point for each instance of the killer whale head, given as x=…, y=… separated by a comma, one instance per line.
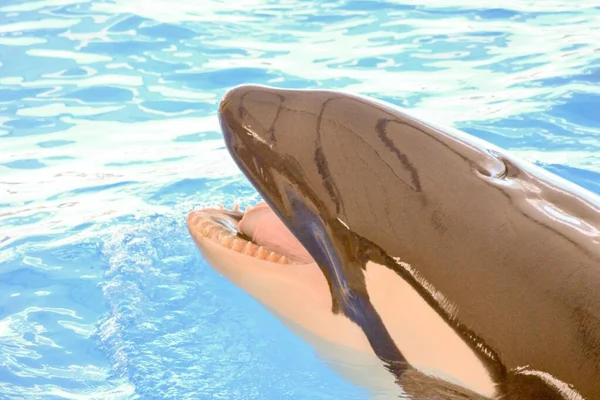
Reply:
x=358, y=183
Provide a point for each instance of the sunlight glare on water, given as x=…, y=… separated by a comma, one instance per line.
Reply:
x=109, y=136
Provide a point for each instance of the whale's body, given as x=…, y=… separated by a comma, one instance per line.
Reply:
x=469, y=273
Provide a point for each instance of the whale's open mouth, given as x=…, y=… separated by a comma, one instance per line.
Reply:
x=256, y=232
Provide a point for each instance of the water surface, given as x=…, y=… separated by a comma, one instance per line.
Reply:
x=108, y=137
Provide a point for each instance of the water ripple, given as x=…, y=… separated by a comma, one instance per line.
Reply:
x=108, y=137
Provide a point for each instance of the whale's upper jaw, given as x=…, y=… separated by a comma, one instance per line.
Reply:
x=248, y=117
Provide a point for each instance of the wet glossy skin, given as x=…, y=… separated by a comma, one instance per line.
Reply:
x=507, y=253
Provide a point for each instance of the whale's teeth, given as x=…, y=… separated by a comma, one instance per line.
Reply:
x=226, y=241
x=211, y=230
x=250, y=249
x=194, y=219
x=261, y=253
x=238, y=245
x=273, y=257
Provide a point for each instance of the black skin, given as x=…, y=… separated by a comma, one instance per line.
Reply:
x=514, y=249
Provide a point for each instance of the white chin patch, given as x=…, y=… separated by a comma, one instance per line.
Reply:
x=426, y=340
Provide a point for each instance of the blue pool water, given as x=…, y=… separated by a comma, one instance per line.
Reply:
x=108, y=137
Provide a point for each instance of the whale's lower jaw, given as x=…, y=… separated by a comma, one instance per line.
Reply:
x=298, y=294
